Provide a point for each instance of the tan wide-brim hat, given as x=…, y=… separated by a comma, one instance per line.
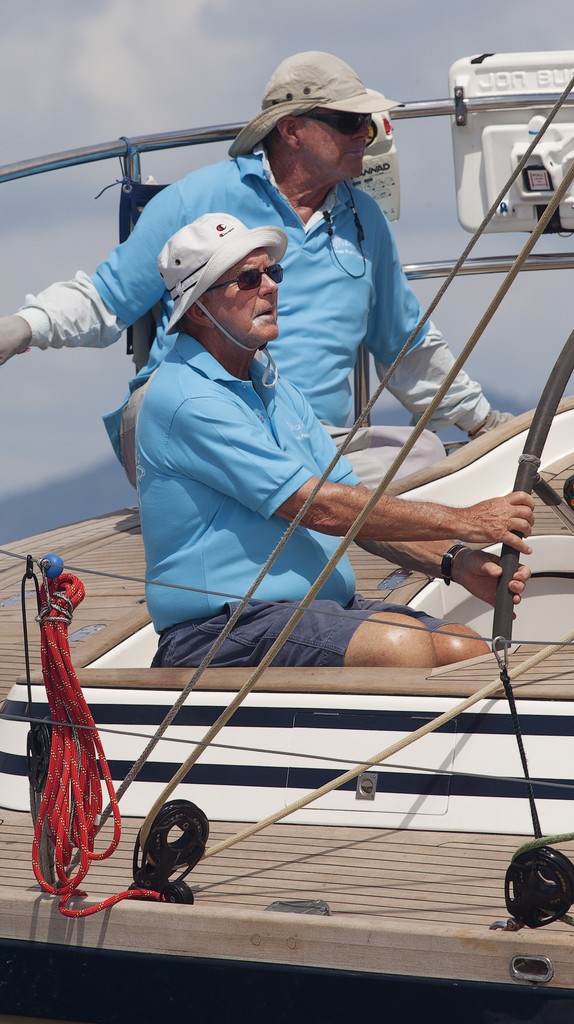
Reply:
x=198, y=254
x=302, y=82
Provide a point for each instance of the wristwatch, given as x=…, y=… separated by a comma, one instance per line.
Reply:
x=447, y=560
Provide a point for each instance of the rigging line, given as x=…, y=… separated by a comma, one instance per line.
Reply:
x=323, y=758
x=439, y=295
x=398, y=460
x=429, y=727
x=256, y=600
x=376, y=494
x=470, y=344
x=379, y=490
x=417, y=430
x=250, y=683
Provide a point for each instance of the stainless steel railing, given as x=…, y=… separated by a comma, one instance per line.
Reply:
x=129, y=149
x=132, y=147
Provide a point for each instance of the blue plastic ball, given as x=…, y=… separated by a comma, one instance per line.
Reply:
x=55, y=566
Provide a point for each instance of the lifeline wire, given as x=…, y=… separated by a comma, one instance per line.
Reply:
x=430, y=727
x=453, y=773
x=518, y=642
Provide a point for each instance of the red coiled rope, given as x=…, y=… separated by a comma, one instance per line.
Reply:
x=72, y=798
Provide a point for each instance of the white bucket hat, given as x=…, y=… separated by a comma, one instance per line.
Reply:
x=197, y=255
x=307, y=80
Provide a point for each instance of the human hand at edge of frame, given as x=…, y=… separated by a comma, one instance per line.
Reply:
x=15, y=337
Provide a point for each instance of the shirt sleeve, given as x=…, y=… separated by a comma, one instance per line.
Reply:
x=416, y=381
x=232, y=454
x=128, y=280
x=70, y=313
x=94, y=311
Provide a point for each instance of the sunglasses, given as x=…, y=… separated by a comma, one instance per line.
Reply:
x=251, y=278
x=344, y=122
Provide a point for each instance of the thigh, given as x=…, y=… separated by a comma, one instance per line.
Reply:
x=320, y=637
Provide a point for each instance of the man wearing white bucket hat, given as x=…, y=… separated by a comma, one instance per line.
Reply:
x=292, y=166
x=228, y=450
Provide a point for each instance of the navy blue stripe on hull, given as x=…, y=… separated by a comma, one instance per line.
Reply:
x=371, y=720
x=263, y=777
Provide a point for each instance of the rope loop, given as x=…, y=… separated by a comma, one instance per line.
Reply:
x=71, y=804
x=59, y=598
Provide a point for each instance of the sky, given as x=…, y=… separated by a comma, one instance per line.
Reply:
x=74, y=73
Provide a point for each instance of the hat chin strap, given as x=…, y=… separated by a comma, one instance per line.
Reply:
x=270, y=364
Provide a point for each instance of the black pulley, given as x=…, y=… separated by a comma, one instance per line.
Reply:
x=568, y=491
x=539, y=886
x=38, y=746
x=175, y=843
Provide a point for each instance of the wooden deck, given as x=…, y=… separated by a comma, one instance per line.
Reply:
x=418, y=903
x=403, y=902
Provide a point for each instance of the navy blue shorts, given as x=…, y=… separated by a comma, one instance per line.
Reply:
x=321, y=636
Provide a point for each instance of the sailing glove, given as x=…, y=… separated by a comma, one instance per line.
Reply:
x=494, y=419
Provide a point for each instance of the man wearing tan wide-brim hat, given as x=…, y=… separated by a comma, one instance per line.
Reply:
x=304, y=81
x=293, y=166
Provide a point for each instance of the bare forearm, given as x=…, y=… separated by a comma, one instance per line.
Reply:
x=423, y=556
x=336, y=507
x=477, y=571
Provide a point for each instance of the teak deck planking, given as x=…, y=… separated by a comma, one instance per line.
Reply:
x=404, y=902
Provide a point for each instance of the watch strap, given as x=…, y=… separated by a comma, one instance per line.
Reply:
x=447, y=560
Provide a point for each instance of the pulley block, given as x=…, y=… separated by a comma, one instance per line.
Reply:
x=539, y=886
x=38, y=747
x=568, y=491
x=176, y=842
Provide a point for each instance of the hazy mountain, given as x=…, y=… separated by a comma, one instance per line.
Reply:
x=103, y=488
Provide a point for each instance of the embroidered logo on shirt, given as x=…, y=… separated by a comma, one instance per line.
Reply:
x=299, y=430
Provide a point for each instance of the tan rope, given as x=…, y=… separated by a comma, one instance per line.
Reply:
x=481, y=694
x=359, y=521
x=457, y=266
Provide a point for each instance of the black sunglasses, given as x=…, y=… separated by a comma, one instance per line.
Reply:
x=251, y=278
x=345, y=122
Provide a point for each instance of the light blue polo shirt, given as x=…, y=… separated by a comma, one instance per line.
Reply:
x=216, y=457
x=336, y=294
